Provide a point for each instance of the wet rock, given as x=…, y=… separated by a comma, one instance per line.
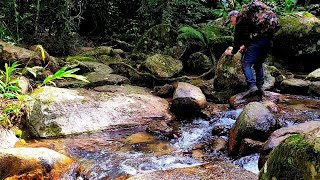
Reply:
x=164, y=91
x=295, y=86
x=163, y=65
x=199, y=63
x=283, y=133
x=57, y=111
x=32, y=163
x=270, y=72
x=218, y=144
x=161, y=129
x=297, y=157
x=314, y=75
x=213, y=109
x=187, y=100
x=139, y=138
x=217, y=171
x=7, y=138
x=255, y=122
x=249, y=146
x=238, y=101
x=273, y=107
x=228, y=75
x=314, y=88
x=296, y=44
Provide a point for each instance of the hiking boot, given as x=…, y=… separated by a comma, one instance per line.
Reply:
x=261, y=92
x=250, y=92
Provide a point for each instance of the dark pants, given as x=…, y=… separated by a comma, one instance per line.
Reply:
x=255, y=55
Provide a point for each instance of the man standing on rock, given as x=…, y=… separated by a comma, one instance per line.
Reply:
x=254, y=29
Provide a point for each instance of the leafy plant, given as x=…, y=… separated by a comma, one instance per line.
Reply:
x=187, y=32
x=9, y=86
x=62, y=73
x=289, y=5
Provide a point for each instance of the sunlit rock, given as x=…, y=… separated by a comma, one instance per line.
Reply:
x=187, y=99
x=33, y=163
x=57, y=111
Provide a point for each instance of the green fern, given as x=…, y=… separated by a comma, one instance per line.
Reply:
x=186, y=33
x=61, y=74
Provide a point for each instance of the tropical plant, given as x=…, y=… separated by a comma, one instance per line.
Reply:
x=62, y=73
x=289, y=5
x=8, y=85
x=186, y=33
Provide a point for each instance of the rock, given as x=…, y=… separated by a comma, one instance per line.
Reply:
x=98, y=51
x=270, y=72
x=163, y=66
x=238, y=101
x=199, y=63
x=297, y=157
x=93, y=66
x=157, y=39
x=161, y=129
x=314, y=88
x=296, y=44
x=139, y=138
x=56, y=111
x=295, y=86
x=187, y=100
x=23, y=84
x=33, y=163
x=80, y=58
x=218, y=171
x=100, y=79
x=10, y=53
x=255, y=122
x=281, y=134
x=249, y=146
x=40, y=72
x=164, y=91
x=7, y=139
x=218, y=144
x=228, y=75
x=314, y=75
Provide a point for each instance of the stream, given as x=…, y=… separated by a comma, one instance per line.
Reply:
x=130, y=151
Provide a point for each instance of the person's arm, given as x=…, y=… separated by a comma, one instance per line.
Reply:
x=241, y=36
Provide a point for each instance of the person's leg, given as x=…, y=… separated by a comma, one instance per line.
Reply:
x=250, y=58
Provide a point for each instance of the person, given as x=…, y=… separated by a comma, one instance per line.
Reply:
x=255, y=47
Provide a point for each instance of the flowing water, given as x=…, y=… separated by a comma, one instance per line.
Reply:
x=131, y=151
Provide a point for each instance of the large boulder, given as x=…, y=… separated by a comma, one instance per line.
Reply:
x=295, y=86
x=163, y=65
x=297, y=43
x=314, y=75
x=255, y=122
x=297, y=157
x=33, y=163
x=57, y=111
x=228, y=75
x=187, y=99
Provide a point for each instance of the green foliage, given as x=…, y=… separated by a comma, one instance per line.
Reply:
x=8, y=85
x=289, y=5
x=62, y=73
x=186, y=33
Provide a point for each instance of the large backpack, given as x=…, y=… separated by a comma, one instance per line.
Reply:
x=263, y=19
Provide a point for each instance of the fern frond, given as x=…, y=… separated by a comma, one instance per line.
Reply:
x=186, y=33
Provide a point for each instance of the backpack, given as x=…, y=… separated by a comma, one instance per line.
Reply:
x=262, y=18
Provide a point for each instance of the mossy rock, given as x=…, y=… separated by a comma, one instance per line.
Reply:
x=80, y=58
x=157, y=39
x=297, y=43
x=98, y=51
x=163, y=65
x=298, y=157
x=228, y=74
x=199, y=63
x=314, y=75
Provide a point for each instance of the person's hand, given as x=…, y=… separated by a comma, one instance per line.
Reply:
x=242, y=48
x=228, y=52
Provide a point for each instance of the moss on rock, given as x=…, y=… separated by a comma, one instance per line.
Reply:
x=295, y=158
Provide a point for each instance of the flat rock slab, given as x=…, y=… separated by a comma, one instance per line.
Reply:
x=57, y=111
x=218, y=171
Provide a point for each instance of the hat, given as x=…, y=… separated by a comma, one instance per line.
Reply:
x=232, y=13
